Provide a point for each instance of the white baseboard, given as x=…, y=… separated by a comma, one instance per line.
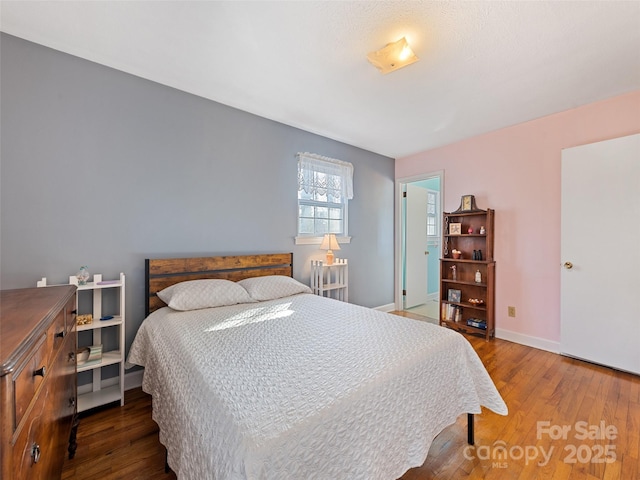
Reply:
x=133, y=379
x=529, y=341
x=389, y=307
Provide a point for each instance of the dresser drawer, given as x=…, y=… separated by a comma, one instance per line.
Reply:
x=27, y=452
x=29, y=376
x=70, y=314
x=56, y=334
x=42, y=440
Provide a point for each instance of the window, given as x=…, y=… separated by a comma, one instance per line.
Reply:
x=432, y=215
x=325, y=186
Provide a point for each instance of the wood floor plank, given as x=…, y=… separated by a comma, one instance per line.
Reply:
x=538, y=386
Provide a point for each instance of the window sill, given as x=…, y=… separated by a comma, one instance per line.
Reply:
x=318, y=240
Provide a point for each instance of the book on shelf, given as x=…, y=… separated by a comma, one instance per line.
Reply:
x=476, y=322
x=91, y=355
x=449, y=312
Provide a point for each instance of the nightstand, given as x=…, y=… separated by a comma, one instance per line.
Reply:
x=331, y=281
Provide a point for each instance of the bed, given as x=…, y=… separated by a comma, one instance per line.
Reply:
x=284, y=384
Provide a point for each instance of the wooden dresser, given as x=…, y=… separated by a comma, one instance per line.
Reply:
x=37, y=381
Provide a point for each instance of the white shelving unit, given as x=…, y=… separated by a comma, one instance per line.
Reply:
x=101, y=391
x=330, y=281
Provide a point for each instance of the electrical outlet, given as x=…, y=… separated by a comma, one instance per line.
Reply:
x=511, y=311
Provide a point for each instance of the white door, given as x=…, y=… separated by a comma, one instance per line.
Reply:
x=600, y=252
x=416, y=247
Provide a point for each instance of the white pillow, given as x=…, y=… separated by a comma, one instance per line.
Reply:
x=197, y=294
x=272, y=286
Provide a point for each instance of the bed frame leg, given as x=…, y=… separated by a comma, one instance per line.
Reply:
x=470, y=439
x=166, y=461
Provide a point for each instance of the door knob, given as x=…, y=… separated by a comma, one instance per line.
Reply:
x=568, y=265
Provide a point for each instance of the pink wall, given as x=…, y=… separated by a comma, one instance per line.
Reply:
x=516, y=171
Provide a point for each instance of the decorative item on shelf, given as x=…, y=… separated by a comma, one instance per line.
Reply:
x=458, y=317
x=85, y=319
x=329, y=243
x=476, y=301
x=454, y=272
x=470, y=230
x=457, y=254
x=482, y=230
x=477, y=255
x=467, y=204
x=455, y=229
x=89, y=355
x=83, y=275
x=454, y=295
x=478, y=276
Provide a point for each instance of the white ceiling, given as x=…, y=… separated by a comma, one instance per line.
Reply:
x=483, y=65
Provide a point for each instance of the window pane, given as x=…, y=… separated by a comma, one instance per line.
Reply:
x=302, y=195
x=305, y=211
x=321, y=226
x=335, y=226
x=322, y=212
x=306, y=225
x=333, y=196
x=335, y=213
x=320, y=195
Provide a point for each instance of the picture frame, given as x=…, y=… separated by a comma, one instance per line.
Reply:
x=455, y=229
x=467, y=201
x=454, y=296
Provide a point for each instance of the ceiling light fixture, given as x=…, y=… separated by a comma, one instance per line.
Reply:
x=393, y=56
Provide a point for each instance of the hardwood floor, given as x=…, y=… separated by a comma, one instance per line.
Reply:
x=538, y=386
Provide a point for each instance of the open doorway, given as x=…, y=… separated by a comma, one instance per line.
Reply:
x=419, y=238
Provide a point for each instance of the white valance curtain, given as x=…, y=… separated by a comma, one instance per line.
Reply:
x=336, y=178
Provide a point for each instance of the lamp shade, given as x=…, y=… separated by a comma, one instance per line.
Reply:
x=329, y=242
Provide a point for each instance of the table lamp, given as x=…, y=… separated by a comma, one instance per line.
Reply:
x=329, y=243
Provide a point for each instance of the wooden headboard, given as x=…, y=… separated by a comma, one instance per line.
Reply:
x=164, y=272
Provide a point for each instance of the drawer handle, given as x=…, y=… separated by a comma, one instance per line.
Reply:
x=72, y=402
x=35, y=452
x=59, y=334
x=73, y=312
x=72, y=356
x=40, y=372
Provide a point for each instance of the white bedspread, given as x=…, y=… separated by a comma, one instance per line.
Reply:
x=304, y=388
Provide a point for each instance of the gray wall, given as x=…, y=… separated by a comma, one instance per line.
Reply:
x=103, y=168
